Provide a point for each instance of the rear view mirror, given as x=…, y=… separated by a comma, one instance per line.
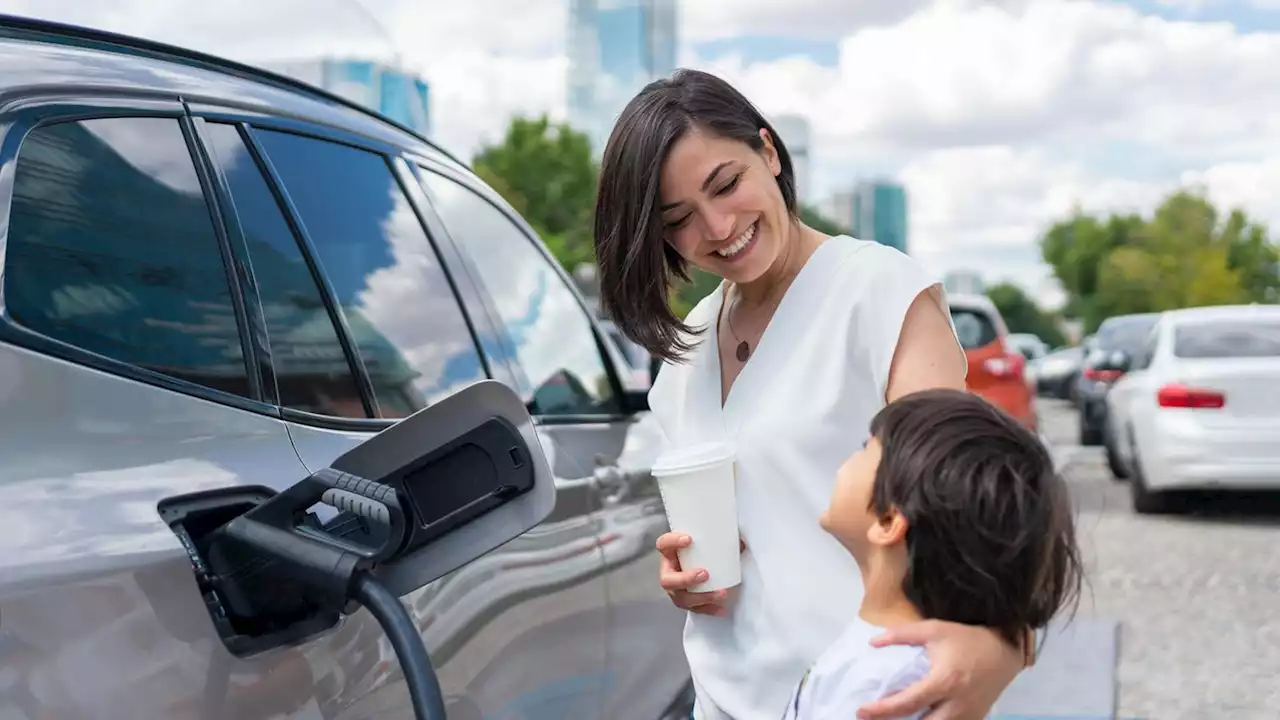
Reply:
x=1116, y=360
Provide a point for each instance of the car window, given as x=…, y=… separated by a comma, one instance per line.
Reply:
x=393, y=293
x=1227, y=339
x=112, y=249
x=312, y=370
x=1142, y=360
x=555, y=346
x=973, y=328
x=1127, y=333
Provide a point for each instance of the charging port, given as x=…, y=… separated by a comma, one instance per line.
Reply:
x=254, y=607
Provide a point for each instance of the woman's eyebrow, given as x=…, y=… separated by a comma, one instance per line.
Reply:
x=711, y=177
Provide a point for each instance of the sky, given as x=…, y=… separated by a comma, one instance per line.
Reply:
x=998, y=116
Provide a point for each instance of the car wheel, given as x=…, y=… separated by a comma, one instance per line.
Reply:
x=1089, y=435
x=1146, y=501
x=1118, y=470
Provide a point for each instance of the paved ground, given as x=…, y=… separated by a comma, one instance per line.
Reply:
x=1197, y=597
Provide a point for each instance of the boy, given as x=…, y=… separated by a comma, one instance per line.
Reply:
x=953, y=512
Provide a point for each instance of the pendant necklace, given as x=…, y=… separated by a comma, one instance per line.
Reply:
x=744, y=349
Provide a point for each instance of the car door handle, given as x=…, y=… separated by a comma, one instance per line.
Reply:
x=612, y=482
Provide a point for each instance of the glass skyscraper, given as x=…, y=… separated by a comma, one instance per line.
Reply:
x=615, y=48
x=880, y=213
x=392, y=93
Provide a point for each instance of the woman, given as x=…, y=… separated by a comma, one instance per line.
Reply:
x=803, y=341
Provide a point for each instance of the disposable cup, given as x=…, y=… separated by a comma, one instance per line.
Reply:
x=697, y=484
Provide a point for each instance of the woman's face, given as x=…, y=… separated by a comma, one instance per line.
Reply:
x=721, y=205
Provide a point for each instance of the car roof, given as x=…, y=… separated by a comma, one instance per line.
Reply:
x=1222, y=312
x=1120, y=319
x=970, y=301
x=37, y=56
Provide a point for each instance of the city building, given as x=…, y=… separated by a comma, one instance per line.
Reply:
x=880, y=213
x=795, y=134
x=839, y=209
x=872, y=210
x=393, y=93
x=616, y=47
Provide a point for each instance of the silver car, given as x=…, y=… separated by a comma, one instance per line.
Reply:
x=217, y=278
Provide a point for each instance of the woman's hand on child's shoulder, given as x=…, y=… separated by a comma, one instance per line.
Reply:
x=969, y=669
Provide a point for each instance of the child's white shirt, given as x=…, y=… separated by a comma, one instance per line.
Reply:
x=852, y=673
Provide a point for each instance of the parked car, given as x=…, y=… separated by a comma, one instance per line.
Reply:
x=1029, y=345
x=1124, y=334
x=1057, y=372
x=995, y=368
x=1199, y=406
x=216, y=277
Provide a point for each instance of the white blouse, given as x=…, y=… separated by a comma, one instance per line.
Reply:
x=800, y=407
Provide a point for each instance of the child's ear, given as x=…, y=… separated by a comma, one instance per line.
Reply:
x=888, y=529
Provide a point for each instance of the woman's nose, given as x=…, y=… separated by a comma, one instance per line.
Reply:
x=719, y=227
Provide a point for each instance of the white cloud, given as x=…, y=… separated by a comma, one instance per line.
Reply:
x=998, y=115
x=999, y=118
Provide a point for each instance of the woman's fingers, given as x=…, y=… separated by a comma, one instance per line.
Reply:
x=669, y=543
x=676, y=581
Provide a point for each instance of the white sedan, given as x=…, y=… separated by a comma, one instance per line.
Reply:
x=1199, y=406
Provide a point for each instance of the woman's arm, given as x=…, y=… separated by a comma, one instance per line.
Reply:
x=928, y=355
x=970, y=666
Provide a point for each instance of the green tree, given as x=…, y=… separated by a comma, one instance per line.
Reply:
x=547, y=173
x=1022, y=315
x=1184, y=255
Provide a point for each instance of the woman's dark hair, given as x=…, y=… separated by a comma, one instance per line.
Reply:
x=637, y=266
x=990, y=530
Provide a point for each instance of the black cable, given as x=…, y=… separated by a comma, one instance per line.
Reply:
x=424, y=687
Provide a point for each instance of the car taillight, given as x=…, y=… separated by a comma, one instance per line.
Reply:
x=1181, y=396
x=1105, y=376
x=1008, y=365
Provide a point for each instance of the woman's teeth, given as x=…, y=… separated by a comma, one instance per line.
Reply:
x=738, y=244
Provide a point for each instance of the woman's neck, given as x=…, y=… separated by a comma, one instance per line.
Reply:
x=797, y=249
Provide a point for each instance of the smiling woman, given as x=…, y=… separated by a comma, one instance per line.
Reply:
x=809, y=336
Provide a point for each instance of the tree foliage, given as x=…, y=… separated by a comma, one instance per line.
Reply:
x=1022, y=315
x=547, y=172
x=1184, y=255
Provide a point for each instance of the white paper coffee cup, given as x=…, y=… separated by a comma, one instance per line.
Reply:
x=697, y=483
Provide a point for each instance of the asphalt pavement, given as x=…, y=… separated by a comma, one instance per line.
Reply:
x=1196, y=597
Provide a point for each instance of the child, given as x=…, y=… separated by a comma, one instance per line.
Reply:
x=953, y=512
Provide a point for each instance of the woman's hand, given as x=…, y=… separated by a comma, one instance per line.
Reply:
x=971, y=667
x=677, y=581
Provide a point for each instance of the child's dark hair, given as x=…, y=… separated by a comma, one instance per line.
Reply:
x=990, y=531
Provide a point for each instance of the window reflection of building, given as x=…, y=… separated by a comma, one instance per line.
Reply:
x=391, y=289
x=115, y=259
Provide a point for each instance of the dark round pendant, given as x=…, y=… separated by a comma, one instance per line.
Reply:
x=744, y=351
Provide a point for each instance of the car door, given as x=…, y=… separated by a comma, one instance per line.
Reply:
x=126, y=377
x=574, y=387
x=1121, y=396
x=365, y=326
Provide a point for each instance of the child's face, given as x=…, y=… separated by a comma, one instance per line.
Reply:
x=849, y=516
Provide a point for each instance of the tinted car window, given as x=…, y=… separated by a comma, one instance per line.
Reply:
x=554, y=344
x=396, y=299
x=312, y=372
x=112, y=249
x=1124, y=333
x=973, y=328
x=1227, y=339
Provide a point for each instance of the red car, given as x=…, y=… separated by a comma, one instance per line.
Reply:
x=997, y=371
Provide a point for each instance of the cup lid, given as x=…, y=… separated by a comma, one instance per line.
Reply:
x=692, y=457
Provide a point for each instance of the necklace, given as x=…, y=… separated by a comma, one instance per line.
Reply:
x=744, y=349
